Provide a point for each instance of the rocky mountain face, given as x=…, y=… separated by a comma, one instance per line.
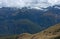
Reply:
x=17, y=21
x=49, y=33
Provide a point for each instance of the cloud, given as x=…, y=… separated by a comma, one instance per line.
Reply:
x=54, y=2
x=37, y=4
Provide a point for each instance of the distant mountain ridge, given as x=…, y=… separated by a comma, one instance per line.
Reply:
x=10, y=19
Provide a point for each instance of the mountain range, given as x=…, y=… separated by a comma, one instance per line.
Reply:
x=17, y=21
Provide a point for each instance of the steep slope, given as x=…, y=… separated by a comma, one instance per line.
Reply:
x=20, y=26
x=50, y=33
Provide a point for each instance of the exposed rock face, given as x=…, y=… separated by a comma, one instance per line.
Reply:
x=50, y=33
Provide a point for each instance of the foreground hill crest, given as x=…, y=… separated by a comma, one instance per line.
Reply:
x=50, y=33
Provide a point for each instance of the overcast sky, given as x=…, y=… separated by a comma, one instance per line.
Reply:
x=29, y=3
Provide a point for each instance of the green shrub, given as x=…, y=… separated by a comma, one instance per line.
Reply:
x=57, y=37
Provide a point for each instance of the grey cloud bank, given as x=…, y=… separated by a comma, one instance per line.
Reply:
x=37, y=4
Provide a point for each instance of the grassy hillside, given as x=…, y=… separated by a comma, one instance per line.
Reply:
x=19, y=26
x=9, y=37
x=50, y=33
